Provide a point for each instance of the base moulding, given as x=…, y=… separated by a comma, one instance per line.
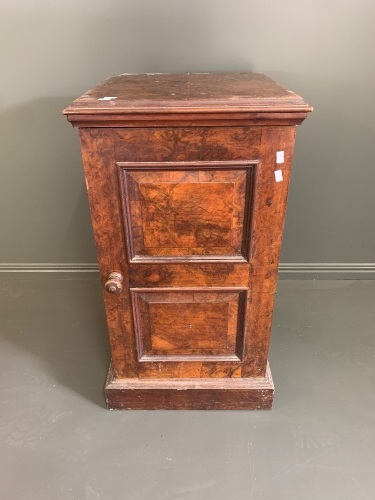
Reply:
x=253, y=393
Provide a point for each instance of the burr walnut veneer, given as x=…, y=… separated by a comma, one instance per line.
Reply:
x=187, y=178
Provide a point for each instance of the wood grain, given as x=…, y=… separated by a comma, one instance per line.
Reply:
x=187, y=209
x=187, y=324
x=268, y=221
x=186, y=206
x=106, y=217
x=207, y=274
x=181, y=144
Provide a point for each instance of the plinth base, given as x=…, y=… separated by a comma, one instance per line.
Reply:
x=190, y=394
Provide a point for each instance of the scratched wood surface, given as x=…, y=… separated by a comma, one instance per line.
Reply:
x=195, y=91
x=188, y=210
x=219, y=99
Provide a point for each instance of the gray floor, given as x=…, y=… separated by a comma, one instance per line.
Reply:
x=58, y=442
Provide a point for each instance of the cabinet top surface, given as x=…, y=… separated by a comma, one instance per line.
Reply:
x=189, y=93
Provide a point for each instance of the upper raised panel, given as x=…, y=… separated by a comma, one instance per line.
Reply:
x=187, y=210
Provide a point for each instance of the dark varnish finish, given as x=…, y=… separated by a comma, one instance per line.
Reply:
x=188, y=215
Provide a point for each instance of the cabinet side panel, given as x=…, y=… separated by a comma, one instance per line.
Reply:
x=105, y=206
x=269, y=207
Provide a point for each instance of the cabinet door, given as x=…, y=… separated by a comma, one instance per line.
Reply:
x=179, y=213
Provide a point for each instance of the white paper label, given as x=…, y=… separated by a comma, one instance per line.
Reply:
x=279, y=156
x=278, y=175
x=106, y=98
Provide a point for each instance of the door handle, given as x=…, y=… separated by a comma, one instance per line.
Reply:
x=113, y=284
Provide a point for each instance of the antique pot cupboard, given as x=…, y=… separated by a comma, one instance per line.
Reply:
x=187, y=178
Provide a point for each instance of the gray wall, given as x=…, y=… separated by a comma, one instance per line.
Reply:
x=51, y=52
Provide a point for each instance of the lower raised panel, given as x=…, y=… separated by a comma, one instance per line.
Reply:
x=187, y=324
x=190, y=394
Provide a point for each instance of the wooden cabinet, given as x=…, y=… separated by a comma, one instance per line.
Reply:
x=187, y=178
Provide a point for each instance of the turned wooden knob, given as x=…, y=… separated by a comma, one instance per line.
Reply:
x=113, y=284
